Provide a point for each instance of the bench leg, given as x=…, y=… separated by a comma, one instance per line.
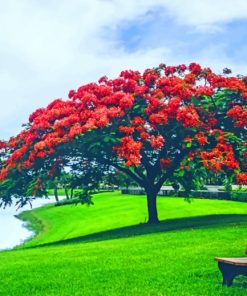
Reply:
x=228, y=273
x=228, y=280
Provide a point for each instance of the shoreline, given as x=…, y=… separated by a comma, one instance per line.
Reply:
x=23, y=226
x=32, y=224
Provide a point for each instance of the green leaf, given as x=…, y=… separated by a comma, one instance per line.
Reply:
x=179, y=173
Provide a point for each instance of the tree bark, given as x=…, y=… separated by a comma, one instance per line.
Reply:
x=152, y=207
x=66, y=192
x=71, y=192
x=56, y=194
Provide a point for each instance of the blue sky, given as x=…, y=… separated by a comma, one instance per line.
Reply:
x=158, y=27
x=50, y=47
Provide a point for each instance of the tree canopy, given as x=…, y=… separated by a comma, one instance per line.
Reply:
x=171, y=123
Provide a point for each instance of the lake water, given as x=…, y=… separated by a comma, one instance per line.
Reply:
x=12, y=230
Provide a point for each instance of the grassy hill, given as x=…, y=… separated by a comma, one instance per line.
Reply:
x=106, y=249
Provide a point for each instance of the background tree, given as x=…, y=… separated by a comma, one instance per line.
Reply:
x=169, y=123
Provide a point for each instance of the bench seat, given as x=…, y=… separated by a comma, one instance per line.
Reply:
x=231, y=267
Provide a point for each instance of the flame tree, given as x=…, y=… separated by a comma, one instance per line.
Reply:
x=171, y=123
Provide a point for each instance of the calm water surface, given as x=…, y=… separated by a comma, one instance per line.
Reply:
x=12, y=230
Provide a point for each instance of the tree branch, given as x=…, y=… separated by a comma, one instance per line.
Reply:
x=171, y=170
x=129, y=173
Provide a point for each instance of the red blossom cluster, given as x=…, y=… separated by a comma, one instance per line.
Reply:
x=239, y=115
x=126, y=129
x=140, y=106
x=201, y=138
x=2, y=145
x=188, y=116
x=242, y=178
x=157, y=142
x=129, y=150
x=220, y=156
x=165, y=162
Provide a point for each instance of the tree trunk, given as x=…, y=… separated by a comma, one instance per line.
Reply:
x=56, y=194
x=152, y=207
x=72, y=192
x=66, y=193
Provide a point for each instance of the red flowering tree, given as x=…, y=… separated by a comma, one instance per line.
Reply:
x=169, y=123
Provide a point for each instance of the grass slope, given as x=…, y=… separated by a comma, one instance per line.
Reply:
x=104, y=250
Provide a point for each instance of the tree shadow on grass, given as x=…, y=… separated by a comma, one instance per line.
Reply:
x=163, y=226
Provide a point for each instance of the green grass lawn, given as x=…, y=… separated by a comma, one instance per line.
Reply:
x=106, y=249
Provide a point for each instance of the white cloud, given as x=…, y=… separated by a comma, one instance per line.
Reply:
x=52, y=47
x=207, y=14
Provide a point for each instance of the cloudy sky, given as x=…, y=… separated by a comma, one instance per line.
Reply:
x=50, y=47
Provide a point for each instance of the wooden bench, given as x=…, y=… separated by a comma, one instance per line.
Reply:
x=231, y=267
